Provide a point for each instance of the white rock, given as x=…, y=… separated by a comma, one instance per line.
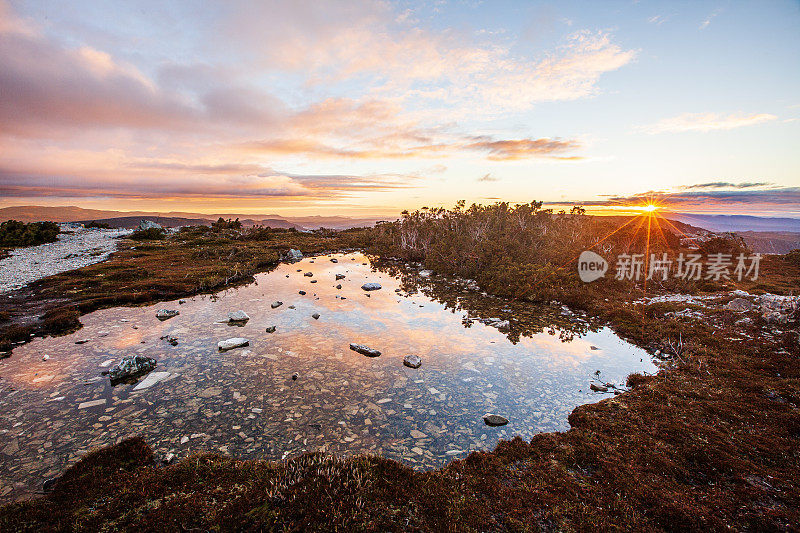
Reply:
x=230, y=344
x=238, y=316
x=93, y=403
x=151, y=379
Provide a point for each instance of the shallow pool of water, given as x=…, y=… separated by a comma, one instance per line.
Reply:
x=534, y=372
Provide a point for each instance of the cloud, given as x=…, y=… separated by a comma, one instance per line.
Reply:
x=506, y=150
x=730, y=200
x=488, y=177
x=706, y=122
x=726, y=185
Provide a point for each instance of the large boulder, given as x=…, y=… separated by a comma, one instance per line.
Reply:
x=149, y=224
x=131, y=367
x=739, y=305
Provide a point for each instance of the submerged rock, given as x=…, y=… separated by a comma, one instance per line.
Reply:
x=230, y=344
x=364, y=350
x=164, y=314
x=412, y=361
x=238, y=316
x=371, y=286
x=276, y=304
x=494, y=420
x=130, y=367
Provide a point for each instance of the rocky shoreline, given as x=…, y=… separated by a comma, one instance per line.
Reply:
x=76, y=247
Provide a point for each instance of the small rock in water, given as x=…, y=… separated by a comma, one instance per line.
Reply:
x=598, y=388
x=593, y=347
x=334, y=260
x=371, y=286
x=238, y=316
x=339, y=286
x=45, y=357
x=164, y=314
x=181, y=301
x=295, y=376
x=132, y=366
x=313, y=281
x=170, y=339
x=276, y=304
x=412, y=361
x=339, y=276
x=230, y=344
x=308, y=274
x=82, y=341
x=315, y=316
x=271, y=329
x=495, y=420
x=364, y=350
x=302, y=293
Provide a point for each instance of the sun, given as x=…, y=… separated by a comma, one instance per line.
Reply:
x=650, y=208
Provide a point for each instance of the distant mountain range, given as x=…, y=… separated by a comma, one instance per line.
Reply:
x=737, y=223
x=130, y=219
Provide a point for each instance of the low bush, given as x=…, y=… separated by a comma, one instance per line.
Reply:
x=16, y=233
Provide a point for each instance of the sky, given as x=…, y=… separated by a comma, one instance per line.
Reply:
x=367, y=108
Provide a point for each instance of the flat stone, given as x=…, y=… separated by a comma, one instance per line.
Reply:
x=151, y=379
x=93, y=403
x=371, y=286
x=495, y=420
x=417, y=434
x=230, y=344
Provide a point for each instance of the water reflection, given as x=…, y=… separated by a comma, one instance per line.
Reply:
x=533, y=371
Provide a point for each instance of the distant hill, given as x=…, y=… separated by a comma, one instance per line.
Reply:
x=737, y=223
x=124, y=219
x=132, y=222
x=766, y=242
